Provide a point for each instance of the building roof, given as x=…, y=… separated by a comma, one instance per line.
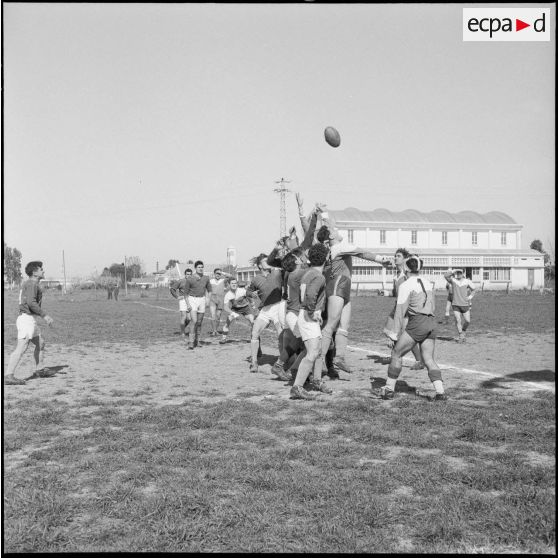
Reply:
x=383, y=215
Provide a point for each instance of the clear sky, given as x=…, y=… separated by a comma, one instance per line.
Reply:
x=159, y=130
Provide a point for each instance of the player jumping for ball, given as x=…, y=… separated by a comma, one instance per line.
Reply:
x=30, y=299
x=338, y=271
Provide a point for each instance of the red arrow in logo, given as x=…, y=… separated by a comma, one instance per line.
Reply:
x=519, y=25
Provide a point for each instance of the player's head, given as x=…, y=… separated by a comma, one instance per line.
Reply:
x=458, y=273
x=199, y=267
x=413, y=263
x=188, y=272
x=317, y=254
x=288, y=263
x=217, y=272
x=328, y=235
x=34, y=268
x=233, y=284
x=401, y=254
x=261, y=262
x=300, y=256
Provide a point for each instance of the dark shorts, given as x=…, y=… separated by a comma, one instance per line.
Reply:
x=450, y=297
x=421, y=327
x=243, y=311
x=462, y=309
x=217, y=300
x=339, y=286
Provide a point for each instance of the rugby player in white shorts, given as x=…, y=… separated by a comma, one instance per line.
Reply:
x=268, y=288
x=195, y=289
x=30, y=299
x=313, y=298
x=216, y=298
x=177, y=291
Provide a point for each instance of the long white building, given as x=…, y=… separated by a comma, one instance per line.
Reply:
x=488, y=247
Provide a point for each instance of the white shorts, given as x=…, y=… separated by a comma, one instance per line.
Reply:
x=309, y=329
x=182, y=305
x=292, y=319
x=197, y=304
x=270, y=313
x=27, y=327
x=282, y=314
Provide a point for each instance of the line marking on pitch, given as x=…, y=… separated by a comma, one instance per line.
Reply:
x=384, y=355
x=450, y=367
x=153, y=306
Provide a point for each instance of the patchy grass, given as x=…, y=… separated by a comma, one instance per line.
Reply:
x=349, y=475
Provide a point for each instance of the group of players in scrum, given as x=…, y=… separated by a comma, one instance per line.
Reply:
x=304, y=290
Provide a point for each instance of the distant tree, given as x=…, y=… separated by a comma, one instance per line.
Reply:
x=134, y=267
x=538, y=246
x=172, y=264
x=12, y=265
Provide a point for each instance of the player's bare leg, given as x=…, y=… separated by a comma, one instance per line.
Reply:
x=257, y=328
x=15, y=358
x=434, y=372
x=334, y=309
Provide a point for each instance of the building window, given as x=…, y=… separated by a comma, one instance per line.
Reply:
x=474, y=239
x=497, y=274
x=350, y=236
x=444, y=237
x=413, y=237
x=382, y=237
x=503, y=239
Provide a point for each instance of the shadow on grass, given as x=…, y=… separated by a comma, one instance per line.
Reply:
x=401, y=386
x=527, y=375
x=267, y=359
x=379, y=359
x=58, y=369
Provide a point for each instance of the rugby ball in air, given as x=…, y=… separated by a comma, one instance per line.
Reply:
x=332, y=136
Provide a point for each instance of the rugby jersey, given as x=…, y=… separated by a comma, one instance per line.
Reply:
x=267, y=288
x=237, y=298
x=196, y=285
x=30, y=298
x=461, y=290
x=415, y=296
x=293, y=289
x=312, y=290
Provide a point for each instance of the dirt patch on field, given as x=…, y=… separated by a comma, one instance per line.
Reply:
x=166, y=373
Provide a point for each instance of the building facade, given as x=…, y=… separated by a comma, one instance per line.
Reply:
x=486, y=246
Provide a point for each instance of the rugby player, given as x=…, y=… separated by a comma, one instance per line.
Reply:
x=30, y=299
x=463, y=293
x=338, y=271
x=268, y=288
x=313, y=298
x=217, y=298
x=177, y=291
x=236, y=304
x=195, y=289
x=401, y=254
x=415, y=300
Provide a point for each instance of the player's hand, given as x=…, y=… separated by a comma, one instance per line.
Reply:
x=299, y=199
x=317, y=316
x=48, y=320
x=390, y=343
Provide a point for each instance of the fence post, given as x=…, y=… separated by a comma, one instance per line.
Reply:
x=508, y=288
x=357, y=289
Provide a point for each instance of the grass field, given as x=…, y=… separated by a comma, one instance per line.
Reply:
x=118, y=472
